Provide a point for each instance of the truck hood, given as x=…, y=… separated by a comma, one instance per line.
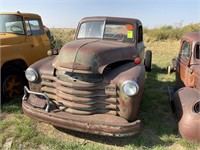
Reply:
x=92, y=56
x=10, y=39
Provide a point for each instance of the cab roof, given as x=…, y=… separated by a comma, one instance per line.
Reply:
x=193, y=36
x=23, y=14
x=111, y=19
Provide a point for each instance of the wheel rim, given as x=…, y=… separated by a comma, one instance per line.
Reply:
x=13, y=86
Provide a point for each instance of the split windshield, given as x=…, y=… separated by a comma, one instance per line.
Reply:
x=11, y=24
x=109, y=30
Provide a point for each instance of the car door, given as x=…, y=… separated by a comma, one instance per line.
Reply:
x=38, y=41
x=184, y=62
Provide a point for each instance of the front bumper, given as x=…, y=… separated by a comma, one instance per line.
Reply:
x=102, y=124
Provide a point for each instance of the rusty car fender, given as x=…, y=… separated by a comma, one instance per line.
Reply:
x=49, y=70
x=185, y=100
x=46, y=65
x=129, y=105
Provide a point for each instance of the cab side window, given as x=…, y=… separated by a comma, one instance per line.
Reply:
x=198, y=51
x=33, y=27
x=185, y=50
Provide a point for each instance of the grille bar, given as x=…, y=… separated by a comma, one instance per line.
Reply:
x=72, y=84
x=53, y=94
x=80, y=97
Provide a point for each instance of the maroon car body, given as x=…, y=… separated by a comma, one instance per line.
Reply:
x=186, y=100
x=96, y=82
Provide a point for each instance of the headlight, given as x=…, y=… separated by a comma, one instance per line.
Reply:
x=130, y=87
x=31, y=75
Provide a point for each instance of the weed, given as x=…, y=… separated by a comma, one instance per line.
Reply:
x=159, y=126
x=169, y=32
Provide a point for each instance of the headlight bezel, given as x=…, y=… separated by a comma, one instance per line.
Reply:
x=133, y=83
x=34, y=72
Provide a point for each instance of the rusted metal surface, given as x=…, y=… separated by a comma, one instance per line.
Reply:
x=128, y=106
x=110, y=19
x=187, y=70
x=97, y=124
x=186, y=100
x=84, y=84
x=93, y=56
x=196, y=75
x=193, y=37
x=80, y=97
x=188, y=116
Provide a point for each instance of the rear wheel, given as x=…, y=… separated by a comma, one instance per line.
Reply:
x=148, y=59
x=12, y=82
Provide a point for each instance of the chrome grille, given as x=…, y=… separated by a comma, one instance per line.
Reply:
x=81, y=94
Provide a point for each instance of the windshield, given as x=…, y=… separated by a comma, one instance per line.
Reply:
x=11, y=24
x=109, y=30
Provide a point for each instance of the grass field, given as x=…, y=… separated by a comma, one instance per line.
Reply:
x=159, y=125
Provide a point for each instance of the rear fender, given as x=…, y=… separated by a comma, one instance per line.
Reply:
x=189, y=120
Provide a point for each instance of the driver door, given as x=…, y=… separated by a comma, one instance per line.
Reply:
x=37, y=40
x=184, y=63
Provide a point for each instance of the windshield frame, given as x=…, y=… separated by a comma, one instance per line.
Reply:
x=101, y=37
x=104, y=28
x=21, y=20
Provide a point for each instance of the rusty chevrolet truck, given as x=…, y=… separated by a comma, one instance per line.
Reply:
x=95, y=83
x=186, y=100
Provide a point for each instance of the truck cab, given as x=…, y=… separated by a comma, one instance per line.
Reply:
x=23, y=41
x=188, y=61
x=186, y=99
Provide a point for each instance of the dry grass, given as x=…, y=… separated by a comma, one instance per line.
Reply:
x=159, y=129
x=62, y=36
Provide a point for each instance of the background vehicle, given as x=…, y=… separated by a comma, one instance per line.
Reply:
x=186, y=100
x=96, y=82
x=23, y=41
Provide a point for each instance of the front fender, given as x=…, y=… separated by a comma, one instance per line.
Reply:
x=43, y=66
x=13, y=52
x=189, y=120
x=128, y=105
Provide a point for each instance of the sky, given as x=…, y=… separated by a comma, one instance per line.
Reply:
x=67, y=13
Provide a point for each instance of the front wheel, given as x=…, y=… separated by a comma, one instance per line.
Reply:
x=12, y=82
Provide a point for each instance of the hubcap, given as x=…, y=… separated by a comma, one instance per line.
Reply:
x=13, y=86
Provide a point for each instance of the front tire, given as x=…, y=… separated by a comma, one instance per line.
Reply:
x=12, y=83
